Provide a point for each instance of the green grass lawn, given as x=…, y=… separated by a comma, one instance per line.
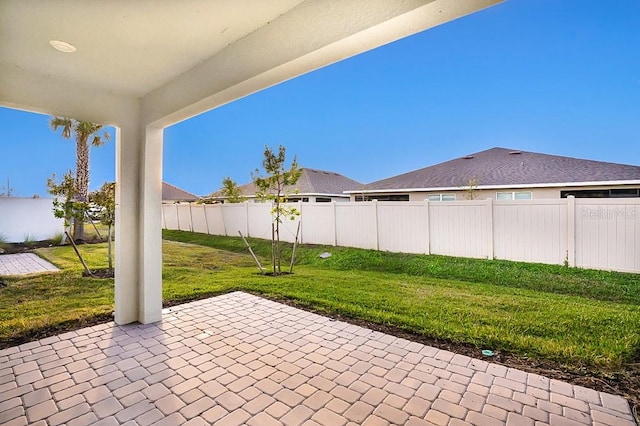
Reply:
x=570, y=316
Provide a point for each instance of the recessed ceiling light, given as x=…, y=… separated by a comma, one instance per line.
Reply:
x=62, y=46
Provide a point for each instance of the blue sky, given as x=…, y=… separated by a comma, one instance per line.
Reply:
x=559, y=77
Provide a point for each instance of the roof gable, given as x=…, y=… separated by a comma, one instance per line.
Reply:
x=311, y=181
x=502, y=166
x=173, y=193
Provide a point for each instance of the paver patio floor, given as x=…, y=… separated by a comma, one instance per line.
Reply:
x=23, y=264
x=240, y=359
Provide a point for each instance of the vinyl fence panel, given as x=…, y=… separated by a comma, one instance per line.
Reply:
x=288, y=227
x=459, y=228
x=199, y=219
x=530, y=231
x=589, y=233
x=607, y=235
x=318, y=223
x=184, y=217
x=234, y=217
x=215, y=221
x=356, y=225
x=259, y=220
x=403, y=228
x=170, y=216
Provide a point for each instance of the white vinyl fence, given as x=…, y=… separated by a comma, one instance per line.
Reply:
x=588, y=233
x=28, y=219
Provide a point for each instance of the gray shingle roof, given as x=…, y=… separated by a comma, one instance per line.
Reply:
x=311, y=181
x=502, y=166
x=173, y=193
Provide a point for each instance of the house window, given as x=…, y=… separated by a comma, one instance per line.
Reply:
x=441, y=197
x=386, y=197
x=323, y=200
x=603, y=193
x=522, y=195
x=296, y=199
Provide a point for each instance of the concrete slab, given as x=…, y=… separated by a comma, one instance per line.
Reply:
x=240, y=359
x=24, y=264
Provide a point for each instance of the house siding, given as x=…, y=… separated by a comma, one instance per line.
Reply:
x=483, y=194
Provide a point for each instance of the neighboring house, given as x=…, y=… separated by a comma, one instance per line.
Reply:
x=507, y=174
x=317, y=186
x=172, y=194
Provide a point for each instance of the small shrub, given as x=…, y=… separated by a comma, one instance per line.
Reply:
x=56, y=239
x=28, y=239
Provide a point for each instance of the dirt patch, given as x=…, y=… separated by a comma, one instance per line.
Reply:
x=16, y=248
x=100, y=273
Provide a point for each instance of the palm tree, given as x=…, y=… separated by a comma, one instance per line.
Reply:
x=83, y=131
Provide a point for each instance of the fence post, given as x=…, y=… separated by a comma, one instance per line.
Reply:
x=428, y=236
x=300, y=220
x=375, y=218
x=335, y=224
x=246, y=217
x=190, y=218
x=490, y=252
x=571, y=230
x=175, y=207
x=206, y=221
x=224, y=224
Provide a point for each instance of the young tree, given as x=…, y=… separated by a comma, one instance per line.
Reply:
x=470, y=189
x=273, y=187
x=83, y=131
x=231, y=191
x=105, y=198
x=65, y=205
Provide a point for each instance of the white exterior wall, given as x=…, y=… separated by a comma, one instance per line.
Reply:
x=28, y=218
x=588, y=233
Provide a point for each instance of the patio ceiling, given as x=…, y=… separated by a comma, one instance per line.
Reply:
x=146, y=64
x=183, y=58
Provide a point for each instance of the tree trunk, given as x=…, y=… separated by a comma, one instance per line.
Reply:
x=82, y=181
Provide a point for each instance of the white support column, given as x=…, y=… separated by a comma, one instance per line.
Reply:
x=126, y=229
x=150, y=269
x=138, y=281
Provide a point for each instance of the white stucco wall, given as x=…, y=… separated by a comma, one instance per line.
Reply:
x=28, y=218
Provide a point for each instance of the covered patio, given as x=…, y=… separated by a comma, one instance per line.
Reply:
x=234, y=359
x=145, y=65
x=241, y=359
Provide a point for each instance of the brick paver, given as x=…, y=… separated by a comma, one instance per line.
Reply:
x=24, y=264
x=240, y=359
